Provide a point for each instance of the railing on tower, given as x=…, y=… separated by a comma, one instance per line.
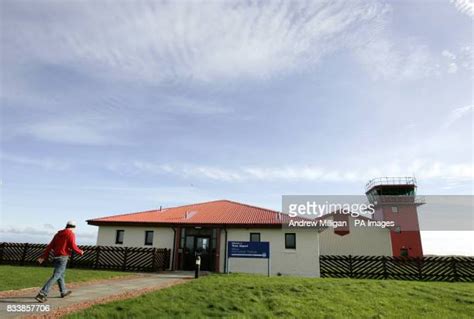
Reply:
x=390, y=181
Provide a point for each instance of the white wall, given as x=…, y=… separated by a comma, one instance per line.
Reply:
x=364, y=241
x=302, y=261
x=135, y=236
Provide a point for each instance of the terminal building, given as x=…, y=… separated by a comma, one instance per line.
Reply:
x=206, y=228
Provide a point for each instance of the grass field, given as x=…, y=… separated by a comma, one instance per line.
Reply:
x=17, y=277
x=240, y=295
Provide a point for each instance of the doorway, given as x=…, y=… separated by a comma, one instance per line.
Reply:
x=197, y=245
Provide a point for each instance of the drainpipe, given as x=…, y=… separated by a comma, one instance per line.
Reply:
x=225, y=251
x=174, y=248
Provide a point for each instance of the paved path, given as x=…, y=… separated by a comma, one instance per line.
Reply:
x=88, y=294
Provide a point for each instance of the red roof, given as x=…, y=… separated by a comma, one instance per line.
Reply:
x=221, y=212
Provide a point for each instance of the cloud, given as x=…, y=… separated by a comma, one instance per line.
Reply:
x=187, y=105
x=49, y=226
x=452, y=62
x=45, y=163
x=464, y=6
x=37, y=234
x=188, y=41
x=26, y=230
x=457, y=114
x=385, y=59
x=448, y=54
x=423, y=169
x=207, y=172
x=73, y=130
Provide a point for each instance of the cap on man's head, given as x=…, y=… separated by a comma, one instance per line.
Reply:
x=71, y=224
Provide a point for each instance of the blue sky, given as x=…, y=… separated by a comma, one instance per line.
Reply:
x=113, y=107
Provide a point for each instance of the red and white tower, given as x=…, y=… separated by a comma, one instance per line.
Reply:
x=394, y=199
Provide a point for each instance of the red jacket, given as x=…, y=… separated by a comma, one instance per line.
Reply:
x=62, y=244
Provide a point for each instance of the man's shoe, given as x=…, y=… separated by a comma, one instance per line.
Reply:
x=41, y=298
x=67, y=293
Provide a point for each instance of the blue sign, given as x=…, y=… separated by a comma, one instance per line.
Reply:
x=249, y=249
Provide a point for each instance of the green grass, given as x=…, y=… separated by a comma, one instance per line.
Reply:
x=17, y=277
x=250, y=296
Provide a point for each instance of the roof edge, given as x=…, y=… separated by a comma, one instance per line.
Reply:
x=172, y=224
x=166, y=208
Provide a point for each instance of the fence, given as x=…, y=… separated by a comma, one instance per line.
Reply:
x=95, y=257
x=445, y=268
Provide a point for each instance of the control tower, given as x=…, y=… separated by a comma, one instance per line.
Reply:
x=394, y=199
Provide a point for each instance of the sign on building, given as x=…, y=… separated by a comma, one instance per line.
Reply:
x=248, y=249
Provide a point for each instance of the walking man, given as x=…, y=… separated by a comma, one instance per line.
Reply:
x=63, y=243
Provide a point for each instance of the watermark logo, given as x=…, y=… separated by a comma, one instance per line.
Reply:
x=316, y=209
x=399, y=213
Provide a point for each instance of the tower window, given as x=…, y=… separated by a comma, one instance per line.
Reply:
x=403, y=252
x=394, y=209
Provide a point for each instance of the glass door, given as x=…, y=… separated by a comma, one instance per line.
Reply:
x=203, y=249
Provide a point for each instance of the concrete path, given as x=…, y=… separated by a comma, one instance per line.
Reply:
x=89, y=294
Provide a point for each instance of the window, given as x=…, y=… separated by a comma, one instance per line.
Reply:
x=149, y=237
x=254, y=236
x=290, y=241
x=119, y=236
x=394, y=209
x=403, y=252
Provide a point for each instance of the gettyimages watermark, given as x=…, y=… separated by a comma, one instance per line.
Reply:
x=398, y=213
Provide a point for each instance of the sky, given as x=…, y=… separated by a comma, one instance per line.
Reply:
x=116, y=107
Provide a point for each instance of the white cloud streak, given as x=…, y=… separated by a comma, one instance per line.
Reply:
x=46, y=230
x=193, y=41
x=457, y=114
x=44, y=163
x=423, y=169
x=464, y=6
x=73, y=131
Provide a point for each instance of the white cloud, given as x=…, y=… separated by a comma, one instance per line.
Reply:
x=46, y=230
x=466, y=56
x=457, y=114
x=464, y=6
x=45, y=163
x=38, y=234
x=452, y=66
x=74, y=130
x=188, y=41
x=213, y=173
x=384, y=59
x=187, y=105
x=423, y=169
x=461, y=60
x=448, y=54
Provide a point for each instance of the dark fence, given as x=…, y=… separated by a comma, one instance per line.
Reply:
x=444, y=268
x=95, y=257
